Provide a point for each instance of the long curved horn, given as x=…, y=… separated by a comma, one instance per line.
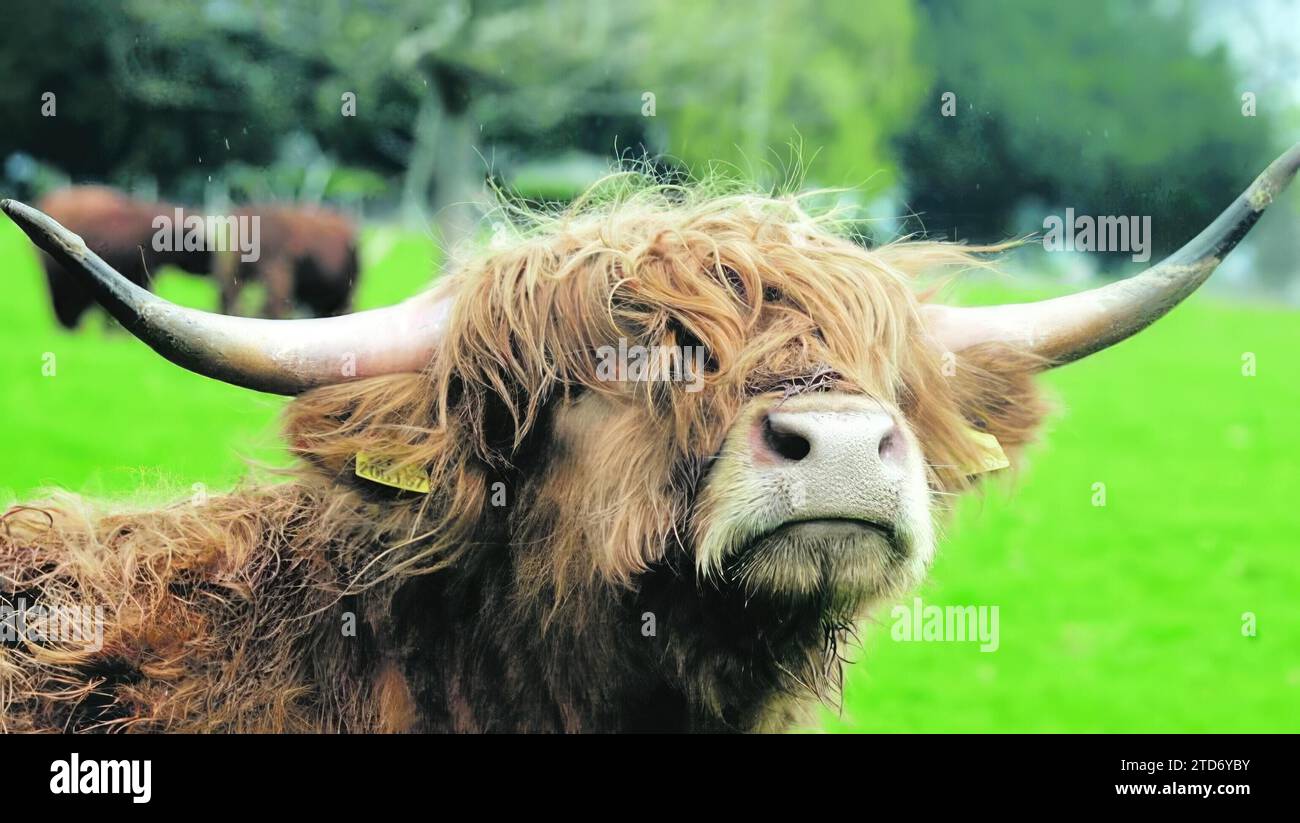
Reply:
x=278, y=356
x=1068, y=328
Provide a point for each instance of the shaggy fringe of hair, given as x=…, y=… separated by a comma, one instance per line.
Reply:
x=625, y=262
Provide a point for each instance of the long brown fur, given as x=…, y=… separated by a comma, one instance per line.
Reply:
x=513, y=596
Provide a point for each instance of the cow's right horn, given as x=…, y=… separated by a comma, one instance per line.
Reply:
x=1064, y=329
x=278, y=356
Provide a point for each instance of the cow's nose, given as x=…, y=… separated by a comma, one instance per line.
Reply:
x=833, y=459
x=813, y=436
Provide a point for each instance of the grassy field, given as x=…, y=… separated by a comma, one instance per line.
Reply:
x=1123, y=617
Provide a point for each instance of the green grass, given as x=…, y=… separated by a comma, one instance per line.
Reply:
x=1125, y=617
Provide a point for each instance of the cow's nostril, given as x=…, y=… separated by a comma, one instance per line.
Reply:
x=787, y=444
x=891, y=447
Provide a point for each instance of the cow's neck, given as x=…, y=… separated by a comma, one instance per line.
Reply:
x=671, y=655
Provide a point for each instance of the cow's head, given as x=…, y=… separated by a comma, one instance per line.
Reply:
x=724, y=386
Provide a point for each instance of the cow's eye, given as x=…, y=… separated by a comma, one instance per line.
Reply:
x=771, y=294
x=734, y=280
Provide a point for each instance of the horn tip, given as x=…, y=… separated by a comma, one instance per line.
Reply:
x=21, y=213
x=1275, y=179
x=43, y=229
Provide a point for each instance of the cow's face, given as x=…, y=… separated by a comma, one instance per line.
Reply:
x=788, y=446
x=820, y=496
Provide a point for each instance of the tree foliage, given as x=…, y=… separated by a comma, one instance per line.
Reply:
x=1104, y=107
x=740, y=85
x=1109, y=108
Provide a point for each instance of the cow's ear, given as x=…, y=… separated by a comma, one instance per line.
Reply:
x=997, y=394
x=359, y=433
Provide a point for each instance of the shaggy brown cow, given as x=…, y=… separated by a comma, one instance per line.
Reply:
x=536, y=519
x=308, y=258
x=120, y=230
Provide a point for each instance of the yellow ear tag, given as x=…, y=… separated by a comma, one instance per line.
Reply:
x=991, y=458
x=407, y=478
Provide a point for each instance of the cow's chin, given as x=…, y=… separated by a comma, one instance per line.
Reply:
x=837, y=565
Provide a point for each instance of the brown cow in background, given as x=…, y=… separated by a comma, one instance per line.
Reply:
x=308, y=259
x=307, y=256
x=119, y=229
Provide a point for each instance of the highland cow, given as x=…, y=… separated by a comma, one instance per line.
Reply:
x=482, y=534
x=307, y=259
x=120, y=230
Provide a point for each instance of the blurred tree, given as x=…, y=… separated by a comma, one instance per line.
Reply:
x=142, y=91
x=445, y=94
x=446, y=91
x=1262, y=39
x=837, y=80
x=251, y=97
x=1105, y=107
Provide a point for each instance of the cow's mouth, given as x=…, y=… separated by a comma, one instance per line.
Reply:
x=840, y=530
x=839, y=555
x=831, y=527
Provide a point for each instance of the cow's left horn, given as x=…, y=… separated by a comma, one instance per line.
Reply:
x=279, y=356
x=1068, y=328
